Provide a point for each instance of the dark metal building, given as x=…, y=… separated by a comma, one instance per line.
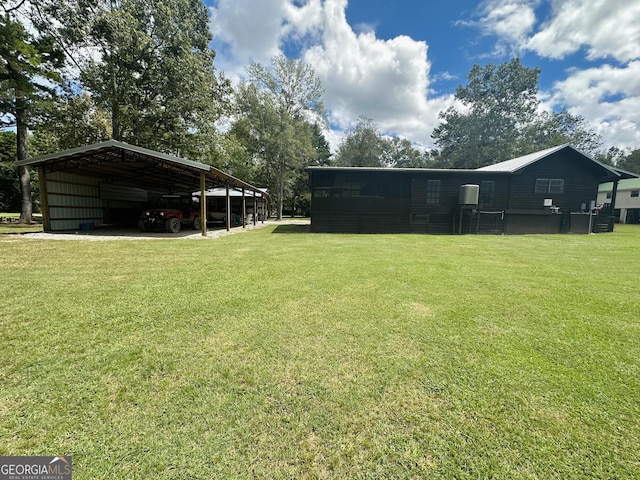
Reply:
x=551, y=191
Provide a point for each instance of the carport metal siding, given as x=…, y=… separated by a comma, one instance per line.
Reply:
x=72, y=200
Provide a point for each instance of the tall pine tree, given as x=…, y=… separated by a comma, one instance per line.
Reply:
x=29, y=71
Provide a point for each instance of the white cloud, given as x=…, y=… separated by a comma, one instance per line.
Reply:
x=364, y=28
x=607, y=28
x=385, y=80
x=390, y=80
x=303, y=20
x=251, y=29
x=510, y=20
x=606, y=96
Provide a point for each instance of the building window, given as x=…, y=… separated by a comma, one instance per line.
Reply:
x=609, y=194
x=634, y=193
x=487, y=192
x=433, y=192
x=549, y=185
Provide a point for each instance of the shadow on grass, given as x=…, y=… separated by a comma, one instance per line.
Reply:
x=17, y=228
x=292, y=229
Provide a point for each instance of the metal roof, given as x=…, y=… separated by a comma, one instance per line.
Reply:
x=124, y=164
x=391, y=169
x=627, y=184
x=234, y=192
x=625, y=173
x=516, y=164
x=510, y=166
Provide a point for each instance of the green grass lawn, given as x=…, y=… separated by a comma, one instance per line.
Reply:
x=280, y=354
x=7, y=227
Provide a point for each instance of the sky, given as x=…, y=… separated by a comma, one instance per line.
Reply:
x=399, y=63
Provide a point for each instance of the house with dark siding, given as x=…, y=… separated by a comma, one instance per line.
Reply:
x=551, y=191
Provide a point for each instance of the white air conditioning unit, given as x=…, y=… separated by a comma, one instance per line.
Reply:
x=469, y=194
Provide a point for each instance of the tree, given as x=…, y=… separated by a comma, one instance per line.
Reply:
x=364, y=146
x=276, y=108
x=9, y=182
x=613, y=156
x=550, y=129
x=233, y=156
x=631, y=162
x=150, y=67
x=500, y=119
x=67, y=122
x=300, y=193
x=28, y=72
x=256, y=129
x=321, y=147
x=402, y=154
x=497, y=101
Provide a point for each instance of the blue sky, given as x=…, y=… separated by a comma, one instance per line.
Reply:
x=399, y=63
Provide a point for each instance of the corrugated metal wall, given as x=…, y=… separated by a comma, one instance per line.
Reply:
x=122, y=196
x=123, y=204
x=73, y=200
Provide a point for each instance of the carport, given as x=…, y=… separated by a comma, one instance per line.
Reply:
x=112, y=182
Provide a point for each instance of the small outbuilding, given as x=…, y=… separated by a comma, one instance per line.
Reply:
x=111, y=182
x=240, y=205
x=550, y=191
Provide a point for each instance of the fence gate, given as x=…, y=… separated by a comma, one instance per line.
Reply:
x=489, y=222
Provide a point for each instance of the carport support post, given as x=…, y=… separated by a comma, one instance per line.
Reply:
x=614, y=195
x=255, y=208
x=228, y=209
x=44, y=200
x=244, y=210
x=203, y=204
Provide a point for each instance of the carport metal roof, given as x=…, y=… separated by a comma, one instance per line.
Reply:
x=124, y=164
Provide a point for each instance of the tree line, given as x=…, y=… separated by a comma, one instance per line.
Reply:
x=75, y=72
x=498, y=116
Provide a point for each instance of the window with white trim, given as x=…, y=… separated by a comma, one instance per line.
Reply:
x=549, y=185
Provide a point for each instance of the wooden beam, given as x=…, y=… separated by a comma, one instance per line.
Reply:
x=244, y=209
x=228, y=209
x=614, y=196
x=255, y=208
x=203, y=204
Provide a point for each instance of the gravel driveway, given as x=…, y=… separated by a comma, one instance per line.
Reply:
x=135, y=234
